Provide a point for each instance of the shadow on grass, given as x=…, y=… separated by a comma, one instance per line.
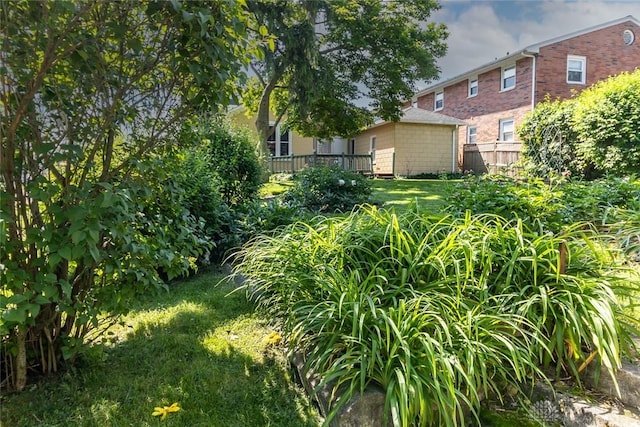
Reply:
x=194, y=346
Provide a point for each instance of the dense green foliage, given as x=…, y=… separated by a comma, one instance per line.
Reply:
x=319, y=64
x=94, y=95
x=328, y=189
x=231, y=156
x=593, y=134
x=607, y=121
x=554, y=206
x=198, y=345
x=549, y=141
x=438, y=311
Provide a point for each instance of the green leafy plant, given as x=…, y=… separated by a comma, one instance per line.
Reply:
x=93, y=95
x=607, y=122
x=555, y=205
x=439, y=312
x=328, y=189
x=231, y=154
x=590, y=136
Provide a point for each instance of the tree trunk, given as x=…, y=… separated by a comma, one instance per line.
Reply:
x=262, y=121
x=21, y=359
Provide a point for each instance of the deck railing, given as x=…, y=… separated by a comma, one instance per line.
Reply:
x=361, y=163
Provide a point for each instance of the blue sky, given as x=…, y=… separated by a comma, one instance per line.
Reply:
x=482, y=30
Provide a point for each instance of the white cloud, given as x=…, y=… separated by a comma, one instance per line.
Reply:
x=481, y=31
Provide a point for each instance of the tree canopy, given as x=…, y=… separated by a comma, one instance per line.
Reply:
x=333, y=65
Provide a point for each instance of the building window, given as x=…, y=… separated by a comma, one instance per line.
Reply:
x=372, y=150
x=506, y=130
x=508, y=78
x=439, y=102
x=472, y=134
x=473, y=87
x=279, y=141
x=576, y=69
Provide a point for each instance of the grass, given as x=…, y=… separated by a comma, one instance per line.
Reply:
x=429, y=194
x=197, y=346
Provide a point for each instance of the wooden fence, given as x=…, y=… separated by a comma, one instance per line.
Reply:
x=361, y=163
x=492, y=157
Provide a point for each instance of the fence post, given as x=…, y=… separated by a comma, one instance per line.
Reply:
x=293, y=164
x=343, y=160
x=271, y=164
x=371, y=162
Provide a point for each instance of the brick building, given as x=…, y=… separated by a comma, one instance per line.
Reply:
x=493, y=98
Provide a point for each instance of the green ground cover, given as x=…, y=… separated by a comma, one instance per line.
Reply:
x=196, y=346
x=430, y=194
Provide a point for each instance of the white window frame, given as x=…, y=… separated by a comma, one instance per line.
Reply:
x=503, y=78
x=503, y=123
x=472, y=135
x=473, y=83
x=372, y=148
x=439, y=96
x=583, y=69
x=277, y=135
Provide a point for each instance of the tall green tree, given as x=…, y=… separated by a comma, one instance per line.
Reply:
x=92, y=94
x=327, y=56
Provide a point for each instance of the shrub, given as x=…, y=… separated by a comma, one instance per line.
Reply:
x=328, y=189
x=549, y=140
x=191, y=171
x=532, y=201
x=232, y=156
x=554, y=206
x=595, y=134
x=437, y=311
x=607, y=122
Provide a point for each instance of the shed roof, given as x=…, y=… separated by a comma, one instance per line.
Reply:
x=420, y=116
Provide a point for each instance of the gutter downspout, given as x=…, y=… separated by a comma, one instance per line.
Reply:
x=533, y=78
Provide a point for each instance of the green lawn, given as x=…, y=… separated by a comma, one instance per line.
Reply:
x=195, y=345
x=430, y=194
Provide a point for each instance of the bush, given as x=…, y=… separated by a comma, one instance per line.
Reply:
x=437, y=311
x=532, y=201
x=549, y=140
x=328, y=189
x=607, y=122
x=232, y=156
x=552, y=206
x=593, y=135
x=192, y=171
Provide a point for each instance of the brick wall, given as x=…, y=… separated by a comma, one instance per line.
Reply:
x=490, y=99
x=605, y=52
